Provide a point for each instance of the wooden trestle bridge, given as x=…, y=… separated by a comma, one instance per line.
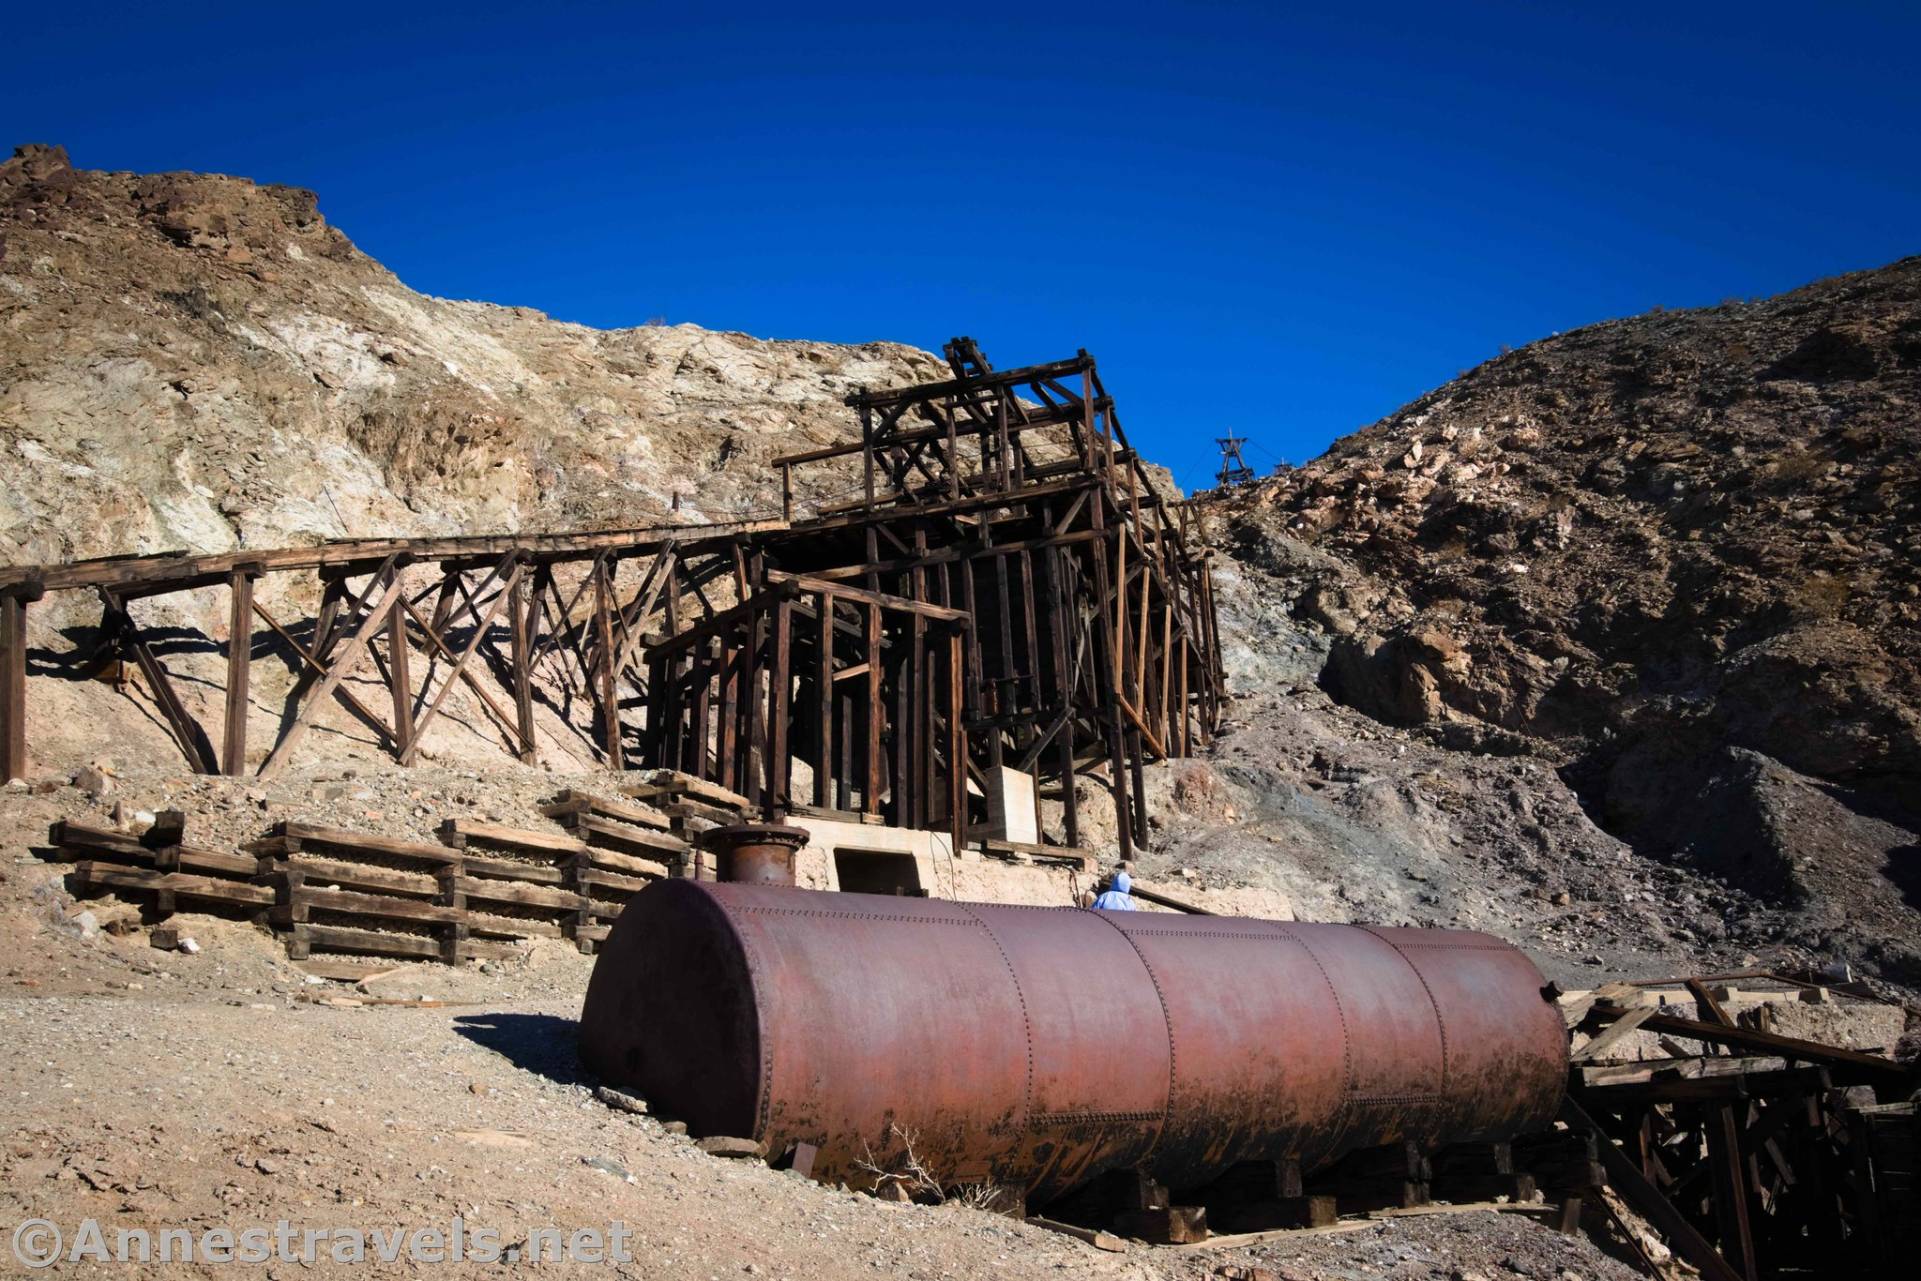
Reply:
x=1008, y=590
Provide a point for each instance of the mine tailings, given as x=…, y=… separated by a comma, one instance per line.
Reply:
x=1039, y=1048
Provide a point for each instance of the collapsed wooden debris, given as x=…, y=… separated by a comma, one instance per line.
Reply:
x=1754, y=1154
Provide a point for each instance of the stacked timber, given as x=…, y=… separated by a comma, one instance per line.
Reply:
x=621, y=847
x=156, y=866
x=357, y=892
x=691, y=806
x=525, y=881
x=476, y=894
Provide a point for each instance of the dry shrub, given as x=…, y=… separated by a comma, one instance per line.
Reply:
x=1794, y=468
x=1821, y=595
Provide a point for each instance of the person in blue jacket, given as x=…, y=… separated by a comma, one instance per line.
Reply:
x=1117, y=898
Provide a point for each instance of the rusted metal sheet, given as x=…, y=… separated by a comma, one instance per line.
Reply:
x=1041, y=1047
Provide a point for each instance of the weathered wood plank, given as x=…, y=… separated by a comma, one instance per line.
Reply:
x=233, y=751
x=107, y=876
x=571, y=803
x=305, y=833
x=515, y=838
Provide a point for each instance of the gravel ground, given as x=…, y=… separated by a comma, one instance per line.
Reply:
x=159, y=1089
x=197, y=1111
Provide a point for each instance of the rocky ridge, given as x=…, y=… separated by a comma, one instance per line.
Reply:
x=1677, y=558
x=199, y=363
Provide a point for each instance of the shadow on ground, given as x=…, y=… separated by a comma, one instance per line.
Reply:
x=544, y=1044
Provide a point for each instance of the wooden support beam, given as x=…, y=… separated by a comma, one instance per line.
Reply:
x=1872, y=1065
x=13, y=685
x=728, y=715
x=399, y=679
x=607, y=673
x=145, y=575
x=441, y=648
x=1731, y=1192
x=233, y=751
x=779, y=680
x=870, y=801
x=956, y=742
x=809, y=584
x=481, y=625
x=337, y=671
x=753, y=702
x=186, y=731
x=1613, y=1034
x=1710, y=1008
x=315, y=667
x=521, y=622
x=824, y=704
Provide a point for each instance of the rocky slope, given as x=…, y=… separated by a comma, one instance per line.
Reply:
x=1678, y=558
x=189, y=361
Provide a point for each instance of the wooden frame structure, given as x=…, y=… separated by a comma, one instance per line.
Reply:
x=1755, y=1155
x=1009, y=590
x=1013, y=496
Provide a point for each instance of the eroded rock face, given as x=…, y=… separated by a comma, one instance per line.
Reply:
x=1634, y=548
x=194, y=362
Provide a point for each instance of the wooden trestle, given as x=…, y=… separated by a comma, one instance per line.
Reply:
x=1008, y=590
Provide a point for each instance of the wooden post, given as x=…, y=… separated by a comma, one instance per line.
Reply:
x=399, y=680
x=1135, y=754
x=1064, y=641
x=956, y=743
x=233, y=752
x=1731, y=1191
x=520, y=624
x=728, y=714
x=1028, y=618
x=953, y=454
x=920, y=761
x=786, y=497
x=1108, y=676
x=824, y=706
x=702, y=667
x=608, y=673
x=13, y=686
x=870, y=801
x=867, y=451
x=778, y=680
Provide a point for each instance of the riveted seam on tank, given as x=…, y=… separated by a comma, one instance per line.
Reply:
x=1027, y=1026
x=766, y=1101
x=1440, y=1019
x=1443, y=947
x=854, y=916
x=1167, y=1018
x=1340, y=1012
x=1076, y=1118
x=1161, y=933
x=1428, y=1097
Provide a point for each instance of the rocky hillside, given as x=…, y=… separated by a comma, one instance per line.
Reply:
x=190, y=361
x=1677, y=557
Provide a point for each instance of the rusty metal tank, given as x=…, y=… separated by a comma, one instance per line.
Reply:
x=1041, y=1047
x=755, y=853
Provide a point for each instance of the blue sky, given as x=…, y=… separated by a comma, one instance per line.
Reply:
x=1283, y=223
